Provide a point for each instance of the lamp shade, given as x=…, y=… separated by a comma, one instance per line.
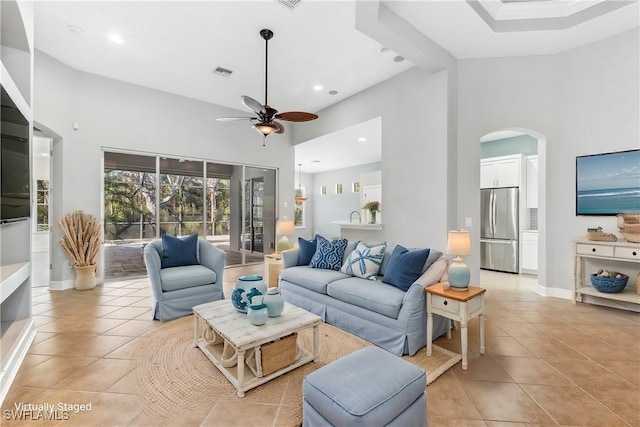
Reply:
x=285, y=227
x=459, y=243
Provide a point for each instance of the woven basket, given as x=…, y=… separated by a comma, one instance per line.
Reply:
x=629, y=225
x=600, y=236
x=278, y=354
x=610, y=285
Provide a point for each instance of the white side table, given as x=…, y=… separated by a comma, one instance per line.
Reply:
x=458, y=306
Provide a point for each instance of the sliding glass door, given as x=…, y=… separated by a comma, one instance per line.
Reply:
x=147, y=196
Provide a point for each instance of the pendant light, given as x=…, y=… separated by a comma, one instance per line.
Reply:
x=300, y=199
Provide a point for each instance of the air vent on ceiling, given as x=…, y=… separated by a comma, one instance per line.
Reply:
x=222, y=72
x=290, y=3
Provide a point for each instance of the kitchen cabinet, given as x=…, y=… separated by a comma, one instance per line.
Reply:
x=532, y=182
x=618, y=256
x=497, y=172
x=529, y=257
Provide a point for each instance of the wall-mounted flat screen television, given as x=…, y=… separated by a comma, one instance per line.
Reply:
x=14, y=162
x=608, y=183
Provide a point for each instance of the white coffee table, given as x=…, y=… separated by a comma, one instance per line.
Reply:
x=233, y=327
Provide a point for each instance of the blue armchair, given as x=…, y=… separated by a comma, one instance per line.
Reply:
x=176, y=290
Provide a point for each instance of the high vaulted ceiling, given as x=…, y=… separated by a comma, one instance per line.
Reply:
x=174, y=46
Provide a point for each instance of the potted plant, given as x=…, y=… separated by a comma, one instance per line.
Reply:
x=81, y=242
x=373, y=207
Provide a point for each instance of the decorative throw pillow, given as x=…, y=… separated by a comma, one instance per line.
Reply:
x=364, y=261
x=404, y=267
x=306, y=250
x=177, y=251
x=328, y=254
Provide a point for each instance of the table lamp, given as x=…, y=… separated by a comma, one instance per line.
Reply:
x=284, y=228
x=459, y=244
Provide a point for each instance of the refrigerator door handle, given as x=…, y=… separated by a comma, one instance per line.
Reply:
x=492, y=204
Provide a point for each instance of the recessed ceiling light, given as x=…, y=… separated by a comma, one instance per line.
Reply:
x=116, y=38
x=398, y=58
x=318, y=87
x=75, y=29
x=333, y=92
x=362, y=139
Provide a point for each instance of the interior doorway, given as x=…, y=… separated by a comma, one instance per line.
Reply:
x=528, y=147
x=41, y=216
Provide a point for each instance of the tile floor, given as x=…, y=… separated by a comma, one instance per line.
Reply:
x=548, y=361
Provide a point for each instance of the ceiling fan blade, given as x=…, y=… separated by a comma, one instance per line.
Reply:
x=280, y=128
x=296, y=116
x=235, y=119
x=252, y=104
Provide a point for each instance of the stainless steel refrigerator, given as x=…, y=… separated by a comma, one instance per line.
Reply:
x=499, y=229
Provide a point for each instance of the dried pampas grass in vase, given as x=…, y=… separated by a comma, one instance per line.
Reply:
x=81, y=243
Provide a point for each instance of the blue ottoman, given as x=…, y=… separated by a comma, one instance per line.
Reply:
x=370, y=387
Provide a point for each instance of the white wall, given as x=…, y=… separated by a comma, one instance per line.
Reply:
x=119, y=115
x=583, y=101
x=413, y=107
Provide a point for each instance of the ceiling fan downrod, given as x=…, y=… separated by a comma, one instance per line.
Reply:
x=266, y=35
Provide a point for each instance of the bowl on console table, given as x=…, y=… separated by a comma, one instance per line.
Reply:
x=610, y=285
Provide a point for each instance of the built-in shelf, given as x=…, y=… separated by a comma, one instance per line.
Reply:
x=11, y=277
x=357, y=225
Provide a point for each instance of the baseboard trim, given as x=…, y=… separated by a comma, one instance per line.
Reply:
x=61, y=285
x=547, y=291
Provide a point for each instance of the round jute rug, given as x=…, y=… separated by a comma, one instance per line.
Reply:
x=177, y=382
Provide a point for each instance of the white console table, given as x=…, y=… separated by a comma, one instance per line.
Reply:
x=607, y=253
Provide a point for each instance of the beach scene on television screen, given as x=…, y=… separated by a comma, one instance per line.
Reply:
x=608, y=184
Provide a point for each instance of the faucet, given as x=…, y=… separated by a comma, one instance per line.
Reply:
x=351, y=216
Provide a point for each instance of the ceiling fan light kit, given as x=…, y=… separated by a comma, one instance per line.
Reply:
x=266, y=115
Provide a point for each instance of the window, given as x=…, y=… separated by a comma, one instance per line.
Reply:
x=299, y=211
x=42, y=204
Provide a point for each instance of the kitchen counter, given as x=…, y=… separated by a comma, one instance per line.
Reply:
x=357, y=225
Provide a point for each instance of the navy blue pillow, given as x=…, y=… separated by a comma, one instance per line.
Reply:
x=328, y=254
x=405, y=267
x=178, y=251
x=306, y=250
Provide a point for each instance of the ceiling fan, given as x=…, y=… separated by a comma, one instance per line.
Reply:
x=266, y=122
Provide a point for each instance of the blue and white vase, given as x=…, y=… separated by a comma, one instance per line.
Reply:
x=258, y=314
x=246, y=288
x=274, y=301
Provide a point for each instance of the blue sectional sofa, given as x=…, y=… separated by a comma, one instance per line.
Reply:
x=378, y=312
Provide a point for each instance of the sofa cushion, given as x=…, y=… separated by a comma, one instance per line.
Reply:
x=351, y=246
x=186, y=276
x=179, y=251
x=314, y=279
x=329, y=254
x=306, y=250
x=433, y=256
x=405, y=266
x=364, y=261
x=371, y=295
